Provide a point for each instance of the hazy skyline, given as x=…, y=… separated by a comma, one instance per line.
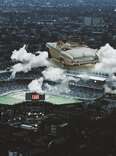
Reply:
x=55, y=2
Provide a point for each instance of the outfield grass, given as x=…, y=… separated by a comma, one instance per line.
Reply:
x=19, y=96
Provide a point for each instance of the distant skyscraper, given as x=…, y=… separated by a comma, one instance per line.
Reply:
x=88, y=21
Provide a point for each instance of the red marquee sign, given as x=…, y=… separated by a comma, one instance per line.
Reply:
x=35, y=97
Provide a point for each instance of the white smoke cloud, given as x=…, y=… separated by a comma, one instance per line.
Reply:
x=107, y=63
x=107, y=59
x=53, y=74
x=28, y=60
x=109, y=90
x=21, y=55
x=36, y=86
x=110, y=86
x=20, y=67
x=58, y=89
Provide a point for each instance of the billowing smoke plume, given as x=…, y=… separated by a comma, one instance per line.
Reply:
x=109, y=90
x=110, y=86
x=21, y=55
x=28, y=60
x=59, y=89
x=36, y=86
x=53, y=74
x=107, y=59
x=107, y=63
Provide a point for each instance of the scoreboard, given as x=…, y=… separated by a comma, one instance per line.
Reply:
x=35, y=97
